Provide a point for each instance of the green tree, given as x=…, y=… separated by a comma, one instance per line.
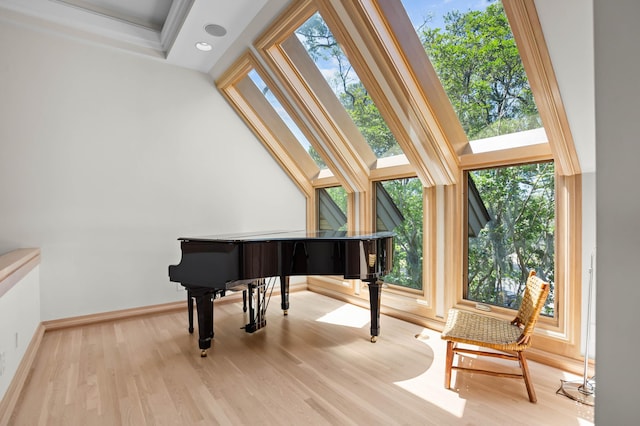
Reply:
x=519, y=237
x=407, y=258
x=476, y=58
x=477, y=61
x=479, y=66
x=366, y=116
x=323, y=48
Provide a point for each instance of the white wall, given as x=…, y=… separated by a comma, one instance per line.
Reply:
x=588, y=250
x=568, y=31
x=617, y=71
x=107, y=158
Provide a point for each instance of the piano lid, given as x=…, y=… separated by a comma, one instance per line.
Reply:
x=291, y=235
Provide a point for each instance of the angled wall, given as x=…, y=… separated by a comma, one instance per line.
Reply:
x=107, y=158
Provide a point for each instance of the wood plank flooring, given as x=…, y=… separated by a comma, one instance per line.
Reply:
x=315, y=366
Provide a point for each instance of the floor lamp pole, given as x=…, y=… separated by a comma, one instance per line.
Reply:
x=585, y=391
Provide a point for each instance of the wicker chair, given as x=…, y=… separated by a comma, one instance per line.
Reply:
x=510, y=338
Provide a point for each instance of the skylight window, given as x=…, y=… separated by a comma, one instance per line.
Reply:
x=474, y=54
x=334, y=65
x=286, y=118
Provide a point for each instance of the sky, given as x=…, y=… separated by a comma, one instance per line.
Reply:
x=418, y=10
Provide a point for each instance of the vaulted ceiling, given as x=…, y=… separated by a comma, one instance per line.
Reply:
x=166, y=29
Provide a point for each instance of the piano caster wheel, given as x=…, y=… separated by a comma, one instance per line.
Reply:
x=285, y=312
x=190, y=330
x=374, y=339
x=203, y=353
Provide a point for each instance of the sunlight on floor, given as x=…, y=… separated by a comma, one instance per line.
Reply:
x=429, y=384
x=450, y=401
x=421, y=385
x=348, y=316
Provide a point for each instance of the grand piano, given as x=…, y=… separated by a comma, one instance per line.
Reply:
x=212, y=265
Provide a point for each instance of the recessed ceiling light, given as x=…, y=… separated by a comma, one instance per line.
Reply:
x=204, y=46
x=215, y=30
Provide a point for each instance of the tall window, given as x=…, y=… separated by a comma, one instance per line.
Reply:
x=399, y=209
x=516, y=236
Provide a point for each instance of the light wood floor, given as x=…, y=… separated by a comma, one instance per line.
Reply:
x=314, y=367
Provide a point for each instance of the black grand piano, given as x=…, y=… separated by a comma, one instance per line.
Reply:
x=214, y=264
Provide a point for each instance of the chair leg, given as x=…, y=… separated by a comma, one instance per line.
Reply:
x=448, y=365
x=527, y=377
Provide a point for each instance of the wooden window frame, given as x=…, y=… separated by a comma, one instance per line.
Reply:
x=559, y=335
x=393, y=66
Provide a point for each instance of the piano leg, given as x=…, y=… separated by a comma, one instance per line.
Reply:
x=204, y=305
x=284, y=291
x=190, y=310
x=375, y=291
